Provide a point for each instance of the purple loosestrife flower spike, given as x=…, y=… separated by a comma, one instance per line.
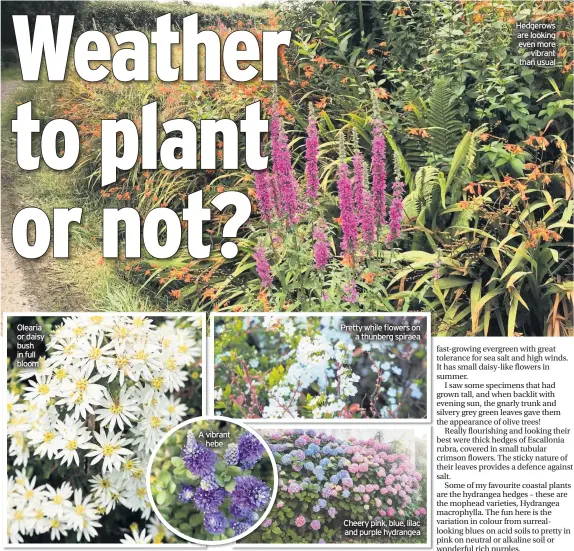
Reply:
x=312, y=155
x=379, y=172
x=358, y=177
x=367, y=213
x=346, y=202
x=321, y=246
x=351, y=294
x=263, y=191
x=282, y=167
x=396, y=211
x=249, y=449
x=262, y=266
x=199, y=460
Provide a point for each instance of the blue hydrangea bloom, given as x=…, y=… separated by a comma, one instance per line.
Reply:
x=239, y=527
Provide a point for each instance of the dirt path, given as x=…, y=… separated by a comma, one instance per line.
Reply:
x=18, y=279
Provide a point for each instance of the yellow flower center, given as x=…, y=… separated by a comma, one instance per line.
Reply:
x=157, y=383
x=155, y=422
x=108, y=450
x=43, y=389
x=18, y=515
x=171, y=364
x=138, y=322
x=95, y=353
x=82, y=385
x=80, y=509
x=116, y=409
x=60, y=373
x=55, y=523
x=49, y=436
x=58, y=499
x=141, y=493
x=79, y=331
x=29, y=494
x=72, y=445
x=69, y=348
x=122, y=362
x=141, y=355
x=96, y=319
x=104, y=483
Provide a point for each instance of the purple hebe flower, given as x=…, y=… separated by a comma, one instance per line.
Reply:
x=396, y=211
x=351, y=294
x=282, y=168
x=262, y=266
x=186, y=493
x=321, y=247
x=239, y=527
x=209, y=482
x=231, y=455
x=250, y=493
x=379, y=172
x=312, y=156
x=209, y=501
x=347, y=208
x=263, y=191
x=315, y=525
x=249, y=450
x=215, y=523
x=199, y=460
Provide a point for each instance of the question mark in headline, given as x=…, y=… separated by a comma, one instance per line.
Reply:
x=242, y=213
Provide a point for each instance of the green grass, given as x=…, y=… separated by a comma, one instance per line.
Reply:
x=84, y=281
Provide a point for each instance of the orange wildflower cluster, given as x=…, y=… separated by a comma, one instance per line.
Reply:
x=419, y=132
x=539, y=232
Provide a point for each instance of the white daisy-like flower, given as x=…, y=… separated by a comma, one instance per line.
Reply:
x=79, y=392
x=83, y=516
x=58, y=529
x=58, y=501
x=13, y=405
x=140, y=538
x=94, y=354
x=42, y=390
x=72, y=436
x=109, y=450
x=121, y=410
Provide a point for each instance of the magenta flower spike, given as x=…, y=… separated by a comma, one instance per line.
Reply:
x=312, y=156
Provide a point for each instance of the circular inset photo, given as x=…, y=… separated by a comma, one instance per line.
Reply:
x=212, y=480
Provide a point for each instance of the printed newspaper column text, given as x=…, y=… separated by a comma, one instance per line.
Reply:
x=503, y=446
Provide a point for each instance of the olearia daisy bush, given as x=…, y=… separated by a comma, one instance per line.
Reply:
x=307, y=367
x=213, y=492
x=81, y=429
x=325, y=478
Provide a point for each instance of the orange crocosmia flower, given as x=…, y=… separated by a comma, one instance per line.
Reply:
x=344, y=80
x=347, y=260
x=251, y=192
x=338, y=220
x=562, y=51
x=237, y=308
x=409, y=107
x=147, y=272
x=513, y=148
x=382, y=44
x=537, y=142
x=424, y=133
x=484, y=136
x=220, y=189
x=209, y=293
x=309, y=70
x=369, y=277
x=175, y=293
x=321, y=103
x=382, y=93
x=304, y=83
x=371, y=51
x=370, y=68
